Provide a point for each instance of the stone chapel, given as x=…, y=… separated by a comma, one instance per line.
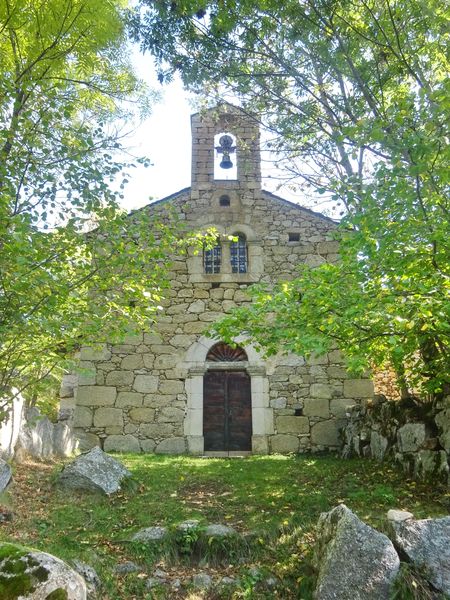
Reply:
x=174, y=390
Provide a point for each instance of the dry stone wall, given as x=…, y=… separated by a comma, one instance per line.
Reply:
x=26, y=432
x=414, y=434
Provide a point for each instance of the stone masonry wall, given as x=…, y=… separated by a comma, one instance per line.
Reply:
x=132, y=396
x=140, y=396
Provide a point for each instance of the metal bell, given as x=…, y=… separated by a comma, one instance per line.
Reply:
x=226, y=162
x=225, y=148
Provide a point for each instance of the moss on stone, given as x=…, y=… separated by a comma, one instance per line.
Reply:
x=13, y=566
x=41, y=574
x=59, y=594
x=17, y=585
x=12, y=551
x=19, y=572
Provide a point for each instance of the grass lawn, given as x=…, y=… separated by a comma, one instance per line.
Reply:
x=277, y=499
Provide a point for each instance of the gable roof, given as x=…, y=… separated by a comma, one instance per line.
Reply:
x=313, y=213
x=264, y=193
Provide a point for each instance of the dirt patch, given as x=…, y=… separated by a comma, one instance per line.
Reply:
x=27, y=498
x=210, y=495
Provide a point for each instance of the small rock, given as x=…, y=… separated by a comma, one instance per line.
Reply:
x=160, y=574
x=127, y=567
x=150, y=534
x=5, y=475
x=228, y=581
x=6, y=515
x=187, y=525
x=176, y=584
x=219, y=530
x=378, y=445
x=153, y=582
x=90, y=576
x=254, y=572
x=94, y=471
x=87, y=572
x=399, y=515
x=271, y=582
x=202, y=580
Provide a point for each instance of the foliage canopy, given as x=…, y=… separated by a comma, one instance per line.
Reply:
x=67, y=89
x=356, y=95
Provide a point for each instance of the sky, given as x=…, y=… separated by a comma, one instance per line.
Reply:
x=165, y=138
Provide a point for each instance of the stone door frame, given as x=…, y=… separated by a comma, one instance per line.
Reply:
x=197, y=365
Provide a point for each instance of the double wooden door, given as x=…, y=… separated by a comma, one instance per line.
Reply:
x=227, y=411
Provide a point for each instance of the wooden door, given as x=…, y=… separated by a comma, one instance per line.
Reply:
x=227, y=411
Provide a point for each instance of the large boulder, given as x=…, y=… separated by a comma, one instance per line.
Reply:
x=39, y=437
x=426, y=544
x=353, y=560
x=5, y=475
x=31, y=575
x=94, y=471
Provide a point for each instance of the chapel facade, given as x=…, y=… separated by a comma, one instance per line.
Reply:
x=174, y=390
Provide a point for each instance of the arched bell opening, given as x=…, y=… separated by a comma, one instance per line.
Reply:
x=225, y=162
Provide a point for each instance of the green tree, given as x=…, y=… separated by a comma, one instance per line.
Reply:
x=356, y=95
x=66, y=91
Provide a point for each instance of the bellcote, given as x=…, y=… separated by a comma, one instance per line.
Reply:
x=225, y=150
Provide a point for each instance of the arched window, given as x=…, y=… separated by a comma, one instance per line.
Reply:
x=212, y=259
x=238, y=254
x=222, y=352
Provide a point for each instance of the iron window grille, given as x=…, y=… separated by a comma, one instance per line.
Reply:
x=238, y=254
x=212, y=259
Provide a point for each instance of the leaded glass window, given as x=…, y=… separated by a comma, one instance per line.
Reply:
x=238, y=253
x=212, y=259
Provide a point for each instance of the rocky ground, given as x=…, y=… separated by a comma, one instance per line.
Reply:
x=216, y=529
